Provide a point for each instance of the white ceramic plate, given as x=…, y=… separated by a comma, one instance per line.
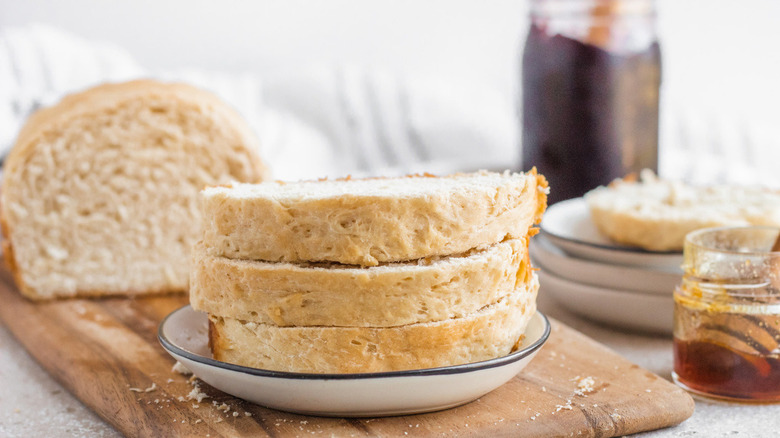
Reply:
x=567, y=224
x=183, y=334
x=552, y=259
x=631, y=310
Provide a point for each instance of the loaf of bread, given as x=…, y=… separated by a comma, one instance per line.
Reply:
x=330, y=294
x=655, y=214
x=366, y=222
x=490, y=332
x=100, y=192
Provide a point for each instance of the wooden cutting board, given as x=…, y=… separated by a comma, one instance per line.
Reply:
x=106, y=353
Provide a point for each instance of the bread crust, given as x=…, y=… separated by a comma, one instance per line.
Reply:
x=368, y=229
x=286, y=294
x=47, y=122
x=488, y=333
x=108, y=95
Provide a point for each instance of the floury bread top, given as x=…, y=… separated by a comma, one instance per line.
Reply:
x=369, y=221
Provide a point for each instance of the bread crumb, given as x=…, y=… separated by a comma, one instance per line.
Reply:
x=149, y=389
x=567, y=406
x=181, y=369
x=196, y=394
x=585, y=386
x=247, y=414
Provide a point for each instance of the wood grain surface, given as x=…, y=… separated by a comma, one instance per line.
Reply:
x=106, y=353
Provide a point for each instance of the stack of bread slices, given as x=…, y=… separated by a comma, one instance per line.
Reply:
x=368, y=275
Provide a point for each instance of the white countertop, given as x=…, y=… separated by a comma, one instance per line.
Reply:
x=35, y=405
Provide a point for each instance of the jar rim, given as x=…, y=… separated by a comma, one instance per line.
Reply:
x=617, y=8
x=690, y=239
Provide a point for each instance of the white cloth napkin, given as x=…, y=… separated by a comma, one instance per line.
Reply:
x=311, y=123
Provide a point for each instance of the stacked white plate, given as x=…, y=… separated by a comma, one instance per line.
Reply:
x=598, y=279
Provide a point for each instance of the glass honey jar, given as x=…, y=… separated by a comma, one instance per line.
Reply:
x=727, y=314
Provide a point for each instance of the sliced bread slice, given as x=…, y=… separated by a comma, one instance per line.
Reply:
x=100, y=192
x=368, y=221
x=656, y=214
x=490, y=332
x=330, y=294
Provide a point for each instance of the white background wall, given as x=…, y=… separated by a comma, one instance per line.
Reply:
x=721, y=57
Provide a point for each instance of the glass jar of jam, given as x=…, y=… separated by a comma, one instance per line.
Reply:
x=727, y=314
x=591, y=72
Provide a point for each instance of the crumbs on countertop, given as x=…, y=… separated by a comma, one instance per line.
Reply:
x=149, y=389
x=585, y=385
x=181, y=369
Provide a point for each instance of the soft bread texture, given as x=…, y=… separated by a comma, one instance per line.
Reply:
x=490, y=332
x=656, y=215
x=369, y=221
x=394, y=294
x=100, y=192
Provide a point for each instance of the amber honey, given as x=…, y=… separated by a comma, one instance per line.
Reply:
x=727, y=315
x=723, y=372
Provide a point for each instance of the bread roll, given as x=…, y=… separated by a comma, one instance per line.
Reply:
x=656, y=214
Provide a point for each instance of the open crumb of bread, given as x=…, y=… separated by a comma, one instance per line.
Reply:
x=100, y=192
x=487, y=333
x=369, y=221
x=329, y=294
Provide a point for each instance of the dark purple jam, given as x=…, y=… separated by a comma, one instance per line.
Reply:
x=589, y=116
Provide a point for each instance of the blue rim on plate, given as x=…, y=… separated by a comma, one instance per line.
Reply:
x=454, y=369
